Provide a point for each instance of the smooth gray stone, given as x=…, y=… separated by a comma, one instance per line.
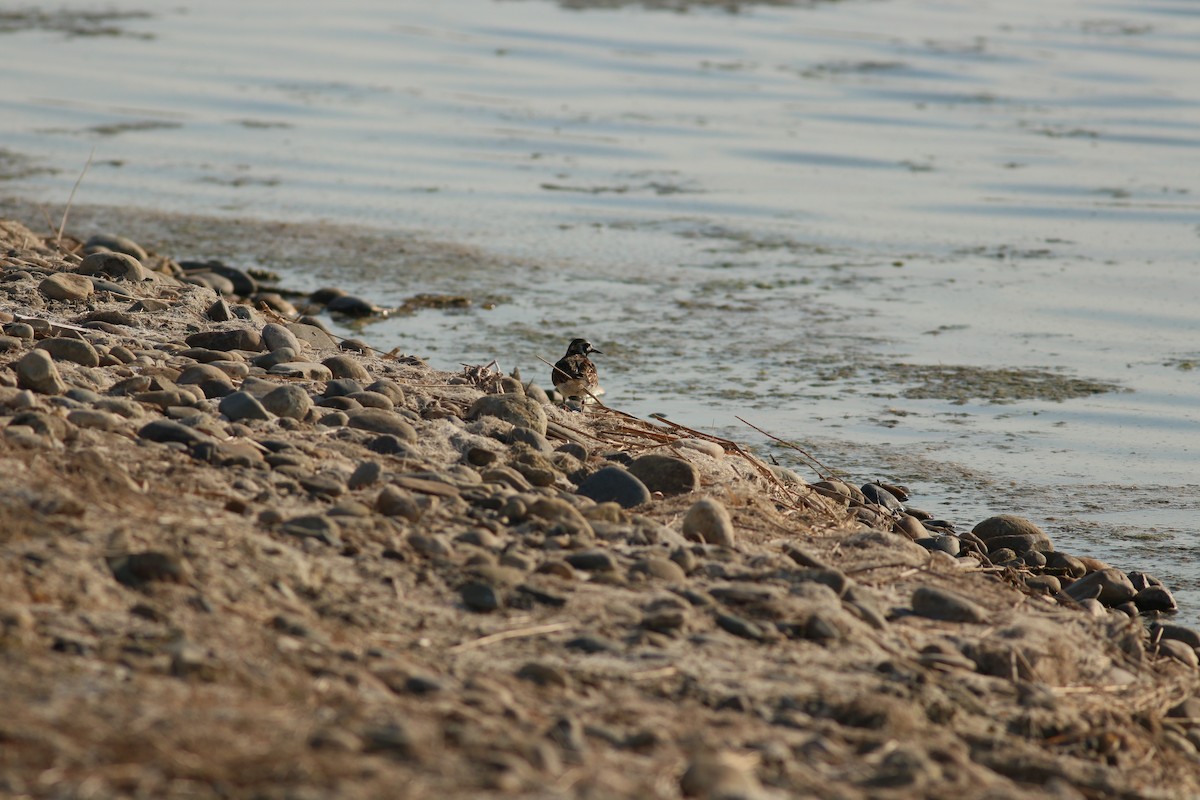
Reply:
x=77, y=351
x=346, y=367
x=235, y=339
x=665, y=474
x=66, y=286
x=708, y=521
x=276, y=336
x=288, y=401
x=36, y=372
x=941, y=604
x=165, y=430
x=116, y=244
x=121, y=266
x=242, y=406
x=306, y=370
x=377, y=420
x=613, y=484
x=1110, y=586
x=517, y=409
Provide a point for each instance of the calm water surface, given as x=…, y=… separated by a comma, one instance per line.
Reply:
x=812, y=216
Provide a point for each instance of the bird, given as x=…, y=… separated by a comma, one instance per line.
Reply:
x=575, y=375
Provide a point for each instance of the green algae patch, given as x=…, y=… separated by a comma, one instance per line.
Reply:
x=962, y=384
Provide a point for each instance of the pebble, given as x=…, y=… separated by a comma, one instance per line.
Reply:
x=346, y=367
x=1017, y=533
x=100, y=242
x=240, y=406
x=365, y=474
x=542, y=674
x=66, y=286
x=613, y=484
x=744, y=628
x=514, y=408
x=385, y=445
x=36, y=371
x=665, y=474
x=1110, y=586
x=95, y=420
x=664, y=569
x=20, y=330
x=389, y=389
x=165, y=430
x=941, y=604
x=303, y=370
x=353, y=306
x=480, y=597
x=393, y=501
x=528, y=436
x=371, y=400
x=592, y=561
x=882, y=497
x=1066, y=565
x=288, y=400
x=1165, y=630
x=312, y=334
x=235, y=339
x=720, y=776
x=1155, y=598
x=377, y=420
x=219, y=311
x=708, y=521
x=1178, y=651
x=276, y=336
x=63, y=348
x=135, y=569
x=313, y=526
x=121, y=266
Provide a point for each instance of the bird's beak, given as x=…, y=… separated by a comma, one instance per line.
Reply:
x=594, y=350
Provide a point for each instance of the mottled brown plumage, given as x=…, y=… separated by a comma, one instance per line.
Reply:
x=575, y=375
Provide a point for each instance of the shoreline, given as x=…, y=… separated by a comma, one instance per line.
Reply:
x=234, y=569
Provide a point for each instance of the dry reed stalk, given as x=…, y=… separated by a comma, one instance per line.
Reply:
x=71, y=199
x=829, y=473
x=516, y=633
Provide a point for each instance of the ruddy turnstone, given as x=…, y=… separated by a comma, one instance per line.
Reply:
x=575, y=375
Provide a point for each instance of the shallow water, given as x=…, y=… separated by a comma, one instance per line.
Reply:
x=850, y=223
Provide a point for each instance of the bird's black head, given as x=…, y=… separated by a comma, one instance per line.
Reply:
x=581, y=347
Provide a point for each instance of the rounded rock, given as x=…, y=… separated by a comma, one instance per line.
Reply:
x=66, y=286
x=121, y=266
x=36, y=372
x=613, y=484
x=276, y=336
x=236, y=339
x=77, y=351
x=941, y=604
x=1110, y=586
x=708, y=521
x=1008, y=530
x=102, y=242
x=242, y=406
x=288, y=401
x=377, y=420
x=346, y=367
x=665, y=474
x=514, y=408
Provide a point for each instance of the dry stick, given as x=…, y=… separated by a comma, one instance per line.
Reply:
x=828, y=472
x=753, y=461
x=62, y=225
x=516, y=633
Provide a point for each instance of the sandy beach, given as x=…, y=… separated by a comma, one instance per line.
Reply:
x=246, y=558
